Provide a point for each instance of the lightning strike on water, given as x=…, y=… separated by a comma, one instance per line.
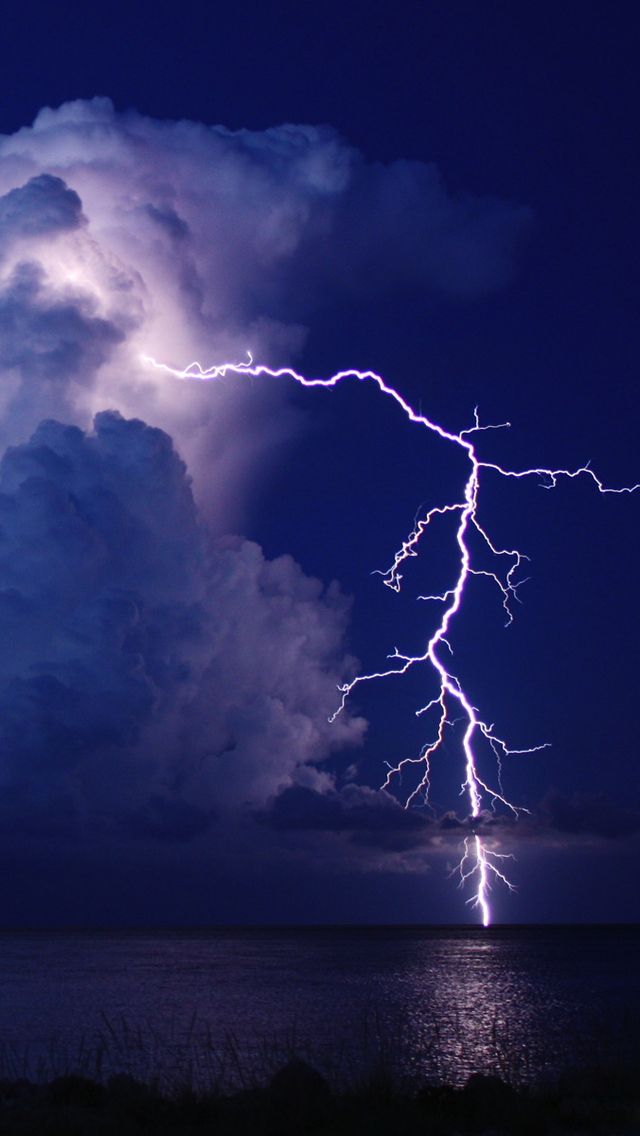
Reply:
x=479, y=863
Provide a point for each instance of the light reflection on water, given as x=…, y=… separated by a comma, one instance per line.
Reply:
x=486, y=1007
x=441, y=1002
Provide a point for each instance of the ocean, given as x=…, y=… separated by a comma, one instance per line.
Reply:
x=229, y=1005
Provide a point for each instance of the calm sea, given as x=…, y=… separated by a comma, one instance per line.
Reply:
x=232, y=1004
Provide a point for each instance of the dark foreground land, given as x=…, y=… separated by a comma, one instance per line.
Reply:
x=298, y=1101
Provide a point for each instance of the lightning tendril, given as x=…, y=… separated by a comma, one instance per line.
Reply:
x=480, y=864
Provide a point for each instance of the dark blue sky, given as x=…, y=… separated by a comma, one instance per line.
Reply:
x=532, y=105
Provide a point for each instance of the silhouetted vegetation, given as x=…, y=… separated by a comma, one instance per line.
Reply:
x=130, y=1081
x=299, y=1100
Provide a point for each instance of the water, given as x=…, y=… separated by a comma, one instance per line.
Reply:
x=231, y=1004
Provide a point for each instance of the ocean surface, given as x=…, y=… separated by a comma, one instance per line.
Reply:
x=231, y=1005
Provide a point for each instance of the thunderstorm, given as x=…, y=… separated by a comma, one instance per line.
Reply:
x=480, y=864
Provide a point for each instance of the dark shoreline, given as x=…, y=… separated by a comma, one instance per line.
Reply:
x=298, y=1100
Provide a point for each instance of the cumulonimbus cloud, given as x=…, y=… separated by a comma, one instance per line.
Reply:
x=151, y=674
x=143, y=662
x=182, y=241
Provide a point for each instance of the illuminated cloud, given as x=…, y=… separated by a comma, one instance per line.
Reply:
x=154, y=675
x=183, y=241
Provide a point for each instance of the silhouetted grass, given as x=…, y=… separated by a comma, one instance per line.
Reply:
x=298, y=1100
x=194, y=1056
x=128, y=1079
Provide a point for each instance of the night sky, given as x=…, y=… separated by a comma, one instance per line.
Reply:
x=185, y=569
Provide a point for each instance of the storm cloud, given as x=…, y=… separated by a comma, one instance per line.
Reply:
x=144, y=662
x=156, y=674
x=43, y=206
x=181, y=241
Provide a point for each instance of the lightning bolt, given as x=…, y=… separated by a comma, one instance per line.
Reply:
x=480, y=863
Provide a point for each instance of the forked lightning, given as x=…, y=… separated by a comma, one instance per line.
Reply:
x=479, y=863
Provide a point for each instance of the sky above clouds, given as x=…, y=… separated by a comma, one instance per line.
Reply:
x=184, y=566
